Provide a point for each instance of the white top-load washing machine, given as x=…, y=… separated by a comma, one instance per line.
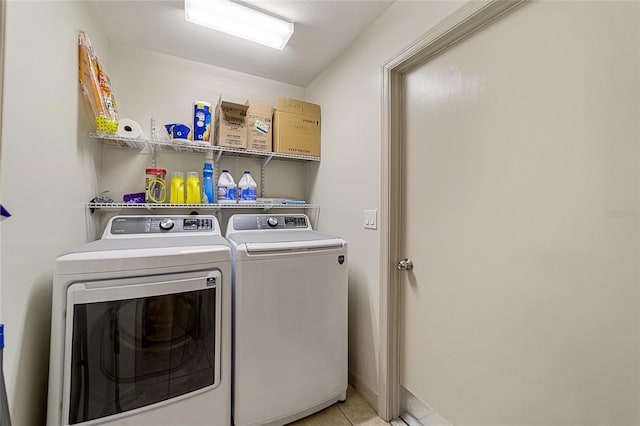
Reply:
x=290, y=318
x=141, y=326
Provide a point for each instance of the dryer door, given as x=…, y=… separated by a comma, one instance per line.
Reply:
x=134, y=344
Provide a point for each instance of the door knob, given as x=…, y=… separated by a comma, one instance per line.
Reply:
x=405, y=265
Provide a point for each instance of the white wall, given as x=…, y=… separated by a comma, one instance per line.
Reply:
x=2, y=25
x=155, y=85
x=347, y=181
x=48, y=173
x=51, y=167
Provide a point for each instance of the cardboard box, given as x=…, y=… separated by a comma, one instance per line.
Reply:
x=229, y=124
x=296, y=127
x=259, y=126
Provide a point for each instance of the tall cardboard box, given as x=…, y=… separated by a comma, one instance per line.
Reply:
x=230, y=124
x=296, y=127
x=259, y=126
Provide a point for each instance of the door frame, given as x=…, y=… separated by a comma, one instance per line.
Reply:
x=461, y=24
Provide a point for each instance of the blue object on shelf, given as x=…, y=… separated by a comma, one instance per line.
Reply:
x=207, y=184
x=3, y=212
x=137, y=198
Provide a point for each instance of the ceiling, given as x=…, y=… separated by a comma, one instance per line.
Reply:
x=323, y=30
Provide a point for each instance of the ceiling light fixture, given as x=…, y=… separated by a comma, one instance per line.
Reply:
x=240, y=21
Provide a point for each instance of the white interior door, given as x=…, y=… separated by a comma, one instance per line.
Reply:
x=521, y=215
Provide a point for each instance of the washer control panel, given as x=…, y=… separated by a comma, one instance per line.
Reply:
x=257, y=222
x=136, y=225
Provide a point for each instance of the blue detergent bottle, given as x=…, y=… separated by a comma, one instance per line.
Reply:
x=207, y=183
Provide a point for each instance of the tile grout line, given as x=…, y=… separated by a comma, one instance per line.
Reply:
x=344, y=415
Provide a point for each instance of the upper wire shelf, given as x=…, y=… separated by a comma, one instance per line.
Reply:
x=188, y=146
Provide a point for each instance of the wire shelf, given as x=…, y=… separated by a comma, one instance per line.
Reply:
x=153, y=206
x=188, y=146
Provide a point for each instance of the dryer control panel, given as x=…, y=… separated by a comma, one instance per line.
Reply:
x=162, y=225
x=258, y=222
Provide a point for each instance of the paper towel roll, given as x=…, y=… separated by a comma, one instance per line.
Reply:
x=129, y=129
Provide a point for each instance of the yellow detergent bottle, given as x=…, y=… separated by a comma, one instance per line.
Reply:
x=177, y=188
x=194, y=196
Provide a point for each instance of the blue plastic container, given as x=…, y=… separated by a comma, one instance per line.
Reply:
x=207, y=183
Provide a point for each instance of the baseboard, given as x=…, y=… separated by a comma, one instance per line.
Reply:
x=369, y=395
x=417, y=413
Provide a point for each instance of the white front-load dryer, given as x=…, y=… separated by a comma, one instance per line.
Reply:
x=141, y=326
x=290, y=318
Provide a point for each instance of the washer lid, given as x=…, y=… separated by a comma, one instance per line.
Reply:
x=147, y=244
x=277, y=236
x=144, y=255
x=278, y=242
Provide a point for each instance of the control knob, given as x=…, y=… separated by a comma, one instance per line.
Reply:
x=272, y=221
x=166, y=224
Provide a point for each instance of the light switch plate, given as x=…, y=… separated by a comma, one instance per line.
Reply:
x=370, y=219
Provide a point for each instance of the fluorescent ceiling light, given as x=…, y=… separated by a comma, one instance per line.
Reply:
x=240, y=21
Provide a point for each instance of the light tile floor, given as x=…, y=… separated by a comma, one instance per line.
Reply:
x=354, y=411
